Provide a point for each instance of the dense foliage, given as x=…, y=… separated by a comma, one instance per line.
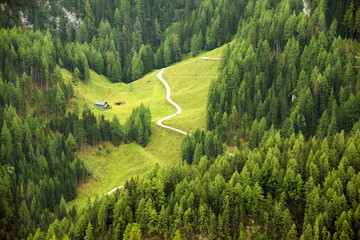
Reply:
x=287, y=70
x=39, y=172
x=39, y=168
x=88, y=129
x=124, y=39
x=288, y=96
x=288, y=188
x=198, y=144
x=138, y=126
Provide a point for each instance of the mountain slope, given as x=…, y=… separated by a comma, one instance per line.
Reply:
x=288, y=91
x=111, y=167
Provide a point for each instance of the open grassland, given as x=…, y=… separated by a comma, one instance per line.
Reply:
x=147, y=90
x=189, y=82
x=111, y=166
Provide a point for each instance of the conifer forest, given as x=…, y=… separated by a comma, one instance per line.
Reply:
x=278, y=158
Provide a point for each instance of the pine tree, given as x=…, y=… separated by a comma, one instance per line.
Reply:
x=82, y=35
x=176, y=48
x=140, y=133
x=89, y=235
x=116, y=72
x=137, y=35
x=88, y=9
x=198, y=153
x=212, y=34
x=194, y=45
x=254, y=135
x=135, y=233
x=6, y=145
x=24, y=218
x=349, y=18
x=292, y=234
x=116, y=131
x=137, y=67
x=168, y=55
x=62, y=208
x=159, y=58
x=70, y=146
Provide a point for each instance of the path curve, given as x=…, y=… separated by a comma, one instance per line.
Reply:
x=168, y=93
x=113, y=190
x=306, y=9
x=208, y=58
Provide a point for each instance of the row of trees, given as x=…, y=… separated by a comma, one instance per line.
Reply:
x=287, y=188
x=92, y=130
x=39, y=56
x=138, y=126
x=198, y=144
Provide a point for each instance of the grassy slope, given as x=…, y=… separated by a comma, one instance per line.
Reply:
x=189, y=82
x=99, y=88
x=110, y=166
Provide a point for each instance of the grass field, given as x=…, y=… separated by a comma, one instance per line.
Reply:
x=189, y=82
x=147, y=90
x=110, y=166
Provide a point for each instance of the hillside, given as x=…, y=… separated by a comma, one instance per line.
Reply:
x=111, y=167
x=287, y=97
x=190, y=81
x=268, y=139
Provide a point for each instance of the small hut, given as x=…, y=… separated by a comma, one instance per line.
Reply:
x=102, y=104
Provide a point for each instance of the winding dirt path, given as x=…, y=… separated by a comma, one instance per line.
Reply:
x=113, y=190
x=168, y=93
x=208, y=58
x=306, y=9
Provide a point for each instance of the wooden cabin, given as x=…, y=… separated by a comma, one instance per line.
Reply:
x=102, y=104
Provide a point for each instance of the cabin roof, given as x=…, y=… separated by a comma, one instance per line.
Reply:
x=100, y=103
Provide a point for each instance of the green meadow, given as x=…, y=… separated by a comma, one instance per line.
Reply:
x=111, y=166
